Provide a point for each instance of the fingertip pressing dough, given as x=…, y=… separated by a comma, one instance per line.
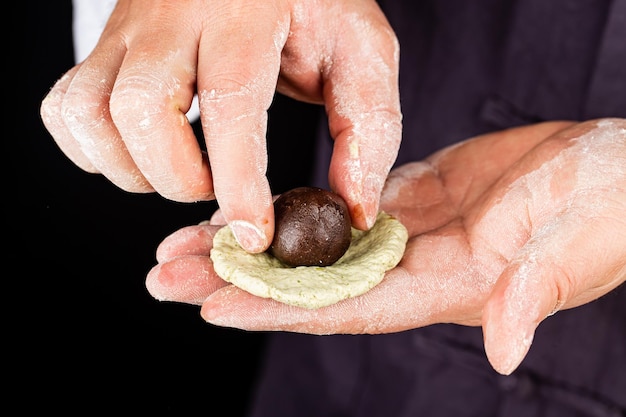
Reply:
x=363, y=266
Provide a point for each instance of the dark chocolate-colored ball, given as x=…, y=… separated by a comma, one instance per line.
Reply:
x=312, y=227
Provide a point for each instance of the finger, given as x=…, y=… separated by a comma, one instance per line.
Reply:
x=184, y=273
x=186, y=279
x=560, y=267
x=217, y=218
x=236, y=82
x=152, y=93
x=52, y=118
x=190, y=240
x=362, y=99
x=368, y=313
x=85, y=113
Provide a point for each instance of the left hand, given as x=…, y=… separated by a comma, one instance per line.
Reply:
x=505, y=229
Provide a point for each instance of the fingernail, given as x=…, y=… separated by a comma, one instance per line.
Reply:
x=516, y=353
x=249, y=237
x=370, y=216
x=508, y=336
x=369, y=208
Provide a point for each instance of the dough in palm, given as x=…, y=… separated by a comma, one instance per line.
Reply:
x=363, y=266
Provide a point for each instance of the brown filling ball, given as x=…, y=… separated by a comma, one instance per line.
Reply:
x=312, y=227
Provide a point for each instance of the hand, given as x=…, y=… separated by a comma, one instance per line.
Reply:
x=505, y=229
x=121, y=112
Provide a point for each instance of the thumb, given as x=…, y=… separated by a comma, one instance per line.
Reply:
x=521, y=299
x=554, y=269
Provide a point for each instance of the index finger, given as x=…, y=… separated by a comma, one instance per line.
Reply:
x=235, y=93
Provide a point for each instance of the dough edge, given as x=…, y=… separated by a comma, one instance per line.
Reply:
x=361, y=268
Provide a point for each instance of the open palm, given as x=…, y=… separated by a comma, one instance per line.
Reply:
x=505, y=229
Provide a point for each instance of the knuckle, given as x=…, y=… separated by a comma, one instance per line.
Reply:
x=234, y=86
x=84, y=106
x=135, y=101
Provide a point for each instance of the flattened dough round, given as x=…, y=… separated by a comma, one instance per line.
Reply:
x=363, y=266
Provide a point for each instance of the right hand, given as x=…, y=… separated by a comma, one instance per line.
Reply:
x=121, y=112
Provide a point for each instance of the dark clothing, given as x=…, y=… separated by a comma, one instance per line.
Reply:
x=470, y=67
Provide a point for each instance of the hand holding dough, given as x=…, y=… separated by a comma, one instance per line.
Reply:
x=504, y=230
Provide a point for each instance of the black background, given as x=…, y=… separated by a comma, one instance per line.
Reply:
x=88, y=336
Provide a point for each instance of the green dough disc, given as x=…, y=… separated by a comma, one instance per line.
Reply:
x=363, y=266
